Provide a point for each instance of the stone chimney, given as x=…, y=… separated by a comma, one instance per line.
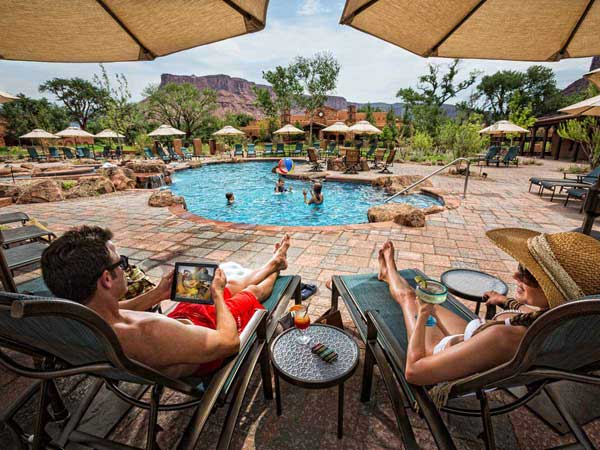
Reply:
x=351, y=113
x=286, y=117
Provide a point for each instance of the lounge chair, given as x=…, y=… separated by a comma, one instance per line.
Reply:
x=509, y=158
x=162, y=155
x=53, y=151
x=268, y=150
x=299, y=150
x=330, y=149
x=378, y=158
x=22, y=233
x=79, y=152
x=187, y=154
x=352, y=161
x=119, y=152
x=313, y=159
x=566, y=181
x=67, y=152
x=148, y=153
x=545, y=355
x=371, y=152
x=490, y=156
x=280, y=149
x=251, y=151
x=317, y=145
x=389, y=161
x=106, y=152
x=173, y=154
x=72, y=340
x=34, y=155
x=578, y=193
x=238, y=150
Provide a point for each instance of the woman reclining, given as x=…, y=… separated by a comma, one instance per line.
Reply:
x=553, y=269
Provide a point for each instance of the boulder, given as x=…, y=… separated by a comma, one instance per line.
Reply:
x=147, y=166
x=6, y=171
x=10, y=190
x=400, y=213
x=121, y=177
x=85, y=161
x=433, y=209
x=336, y=164
x=27, y=166
x=395, y=183
x=165, y=198
x=90, y=187
x=40, y=192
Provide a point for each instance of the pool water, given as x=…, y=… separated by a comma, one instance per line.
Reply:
x=253, y=183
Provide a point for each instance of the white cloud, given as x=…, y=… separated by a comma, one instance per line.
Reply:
x=310, y=8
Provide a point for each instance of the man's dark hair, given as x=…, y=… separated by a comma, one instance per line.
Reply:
x=229, y=195
x=317, y=188
x=72, y=264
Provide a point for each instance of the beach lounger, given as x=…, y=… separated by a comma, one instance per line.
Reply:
x=313, y=159
x=53, y=151
x=298, y=150
x=378, y=158
x=34, y=155
x=578, y=193
x=552, y=184
x=71, y=340
x=563, y=344
x=280, y=149
x=106, y=152
x=187, y=154
x=79, y=153
x=119, y=152
x=352, y=161
x=251, y=151
x=268, y=150
x=510, y=157
x=389, y=161
x=162, y=155
x=173, y=154
x=330, y=149
x=148, y=153
x=371, y=152
x=67, y=152
x=490, y=156
x=238, y=150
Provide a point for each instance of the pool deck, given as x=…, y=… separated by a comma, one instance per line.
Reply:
x=159, y=237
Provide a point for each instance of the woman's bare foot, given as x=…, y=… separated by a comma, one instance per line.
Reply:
x=382, y=275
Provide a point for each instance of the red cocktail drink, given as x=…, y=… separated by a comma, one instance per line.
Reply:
x=302, y=321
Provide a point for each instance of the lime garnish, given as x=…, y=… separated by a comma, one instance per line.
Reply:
x=422, y=282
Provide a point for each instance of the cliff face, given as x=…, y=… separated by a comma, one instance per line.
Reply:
x=581, y=84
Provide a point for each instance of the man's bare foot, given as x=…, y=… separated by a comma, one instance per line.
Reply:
x=328, y=284
x=383, y=274
x=284, y=240
x=280, y=254
x=389, y=255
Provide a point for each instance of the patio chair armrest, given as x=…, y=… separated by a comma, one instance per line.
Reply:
x=254, y=326
x=377, y=327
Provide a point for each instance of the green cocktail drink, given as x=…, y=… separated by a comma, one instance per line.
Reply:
x=430, y=291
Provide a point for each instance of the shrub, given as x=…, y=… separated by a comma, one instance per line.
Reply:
x=422, y=143
x=68, y=184
x=576, y=169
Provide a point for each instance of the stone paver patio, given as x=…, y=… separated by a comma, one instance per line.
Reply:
x=157, y=238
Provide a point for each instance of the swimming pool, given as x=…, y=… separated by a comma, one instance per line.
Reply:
x=252, y=183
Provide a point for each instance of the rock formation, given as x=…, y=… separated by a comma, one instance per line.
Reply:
x=395, y=183
x=165, y=198
x=40, y=192
x=400, y=213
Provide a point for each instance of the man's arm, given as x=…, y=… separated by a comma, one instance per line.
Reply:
x=147, y=300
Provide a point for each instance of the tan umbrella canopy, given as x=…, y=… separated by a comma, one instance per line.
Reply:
x=503, y=127
x=594, y=77
x=488, y=29
x=166, y=130
x=364, y=127
x=108, y=134
x=589, y=107
x=74, y=132
x=114, y=30
x=289, y=129
x=338, y=127
x=5, y=97
x=228, y=131
x=38, y=134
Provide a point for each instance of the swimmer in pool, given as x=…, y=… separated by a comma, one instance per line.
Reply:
x=280, y=186
x=316, y=197
x=230, y=198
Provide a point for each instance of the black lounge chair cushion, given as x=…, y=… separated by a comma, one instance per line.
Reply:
x=12, y=235
x=577, y=193
x=35, y=287
x=13, y=217
x=23, y=255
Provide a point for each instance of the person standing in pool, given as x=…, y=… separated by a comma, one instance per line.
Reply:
x=280, y=186
x=316, y=197
x=230, y=198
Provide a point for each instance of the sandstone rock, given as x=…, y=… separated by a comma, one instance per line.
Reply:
x=6, y=172
x=85, y=161
x=27, y=166
x=90, y=187
x=395, y=183
x=165, y=198
x=147, y=166
x=433, y=209
x=400, y=213
x=122, y=177
x=40, y=192
x=10, y=190
x=336, y=164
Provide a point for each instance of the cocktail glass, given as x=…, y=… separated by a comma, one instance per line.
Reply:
x=302, y=321
x=434, y=292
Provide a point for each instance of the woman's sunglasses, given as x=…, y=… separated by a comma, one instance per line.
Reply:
x=526, y=277
x=123, y=263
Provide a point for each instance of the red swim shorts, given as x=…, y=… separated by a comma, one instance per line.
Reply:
x=242, y=306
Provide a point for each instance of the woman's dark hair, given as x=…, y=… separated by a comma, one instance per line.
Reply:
x=317, y=188
x=72, y=264
x=229, y=195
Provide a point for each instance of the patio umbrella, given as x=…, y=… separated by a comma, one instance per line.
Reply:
x=594, y=77
x=488, y=29
x=74, y=132
x=38, y=134
x=364, y=127
x=589, y=107
x=109, y=134
x=112, y=30
x=289, y=129
x=503, y=127
x=337, y=128
x=228, y=132
x=166, y=130
x=5, y=98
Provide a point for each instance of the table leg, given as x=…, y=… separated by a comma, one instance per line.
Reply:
x=277, y=394
x=477, y=308
x=340, y=430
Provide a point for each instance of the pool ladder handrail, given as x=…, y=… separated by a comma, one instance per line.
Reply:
x=416, y=183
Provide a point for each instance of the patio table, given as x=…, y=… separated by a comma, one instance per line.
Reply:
x=296, y=364
x=472, y=284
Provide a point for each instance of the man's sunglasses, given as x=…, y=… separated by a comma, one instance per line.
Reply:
x=526, y=277
x=123, y=263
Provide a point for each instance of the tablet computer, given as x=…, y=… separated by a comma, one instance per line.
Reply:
x=191, y=282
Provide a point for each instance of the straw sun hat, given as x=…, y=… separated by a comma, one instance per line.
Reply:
x=566, y=265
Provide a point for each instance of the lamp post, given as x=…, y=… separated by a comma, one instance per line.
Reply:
x=12, y=174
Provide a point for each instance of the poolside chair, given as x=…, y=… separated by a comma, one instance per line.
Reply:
x=148, y=153
x=53, y=151
x=389, y=161
x=251, y=151
x=317, y=145
x=34, y=155
x=588, y=178
x=509, y=158
x=79, y=153
x=173, y=154
x=563, y=344
x=187, y=154
x=378, y=158
x=67, y=152
x=238, y=150
x=490, y=156
x=330, y=149
x=19, y=257
x=70, y=340
x=299, y=150
x=313, y=159
x=162, y=155
x=22, y=233
x=106, y=152
x=578, y=193
x=268, y=150
x=119, y=152
x=352, y=161
x=371, y=152
x=280, y=149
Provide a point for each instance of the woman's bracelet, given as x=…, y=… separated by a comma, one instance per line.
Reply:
x=511, y=303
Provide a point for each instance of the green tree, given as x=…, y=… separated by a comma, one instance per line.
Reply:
x=286, y=87
x=463, y=138
x=497, y=90
x=238, y=120
x=26, y=114
x=585, y=131
x=82, y=99
x=368, y=109
x=540, y=90
x=318, y=77
x=390, y=123
x=422, y=143
x=265, y=102
x=435, y=88
x=182, y=106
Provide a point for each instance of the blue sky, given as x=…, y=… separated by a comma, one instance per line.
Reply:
x=372, y=70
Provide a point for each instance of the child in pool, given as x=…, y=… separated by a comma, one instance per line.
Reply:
x=230, y=198
x=280, y=186
x=316, y=197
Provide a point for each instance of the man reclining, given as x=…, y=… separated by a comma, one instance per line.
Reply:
x=83, y=265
